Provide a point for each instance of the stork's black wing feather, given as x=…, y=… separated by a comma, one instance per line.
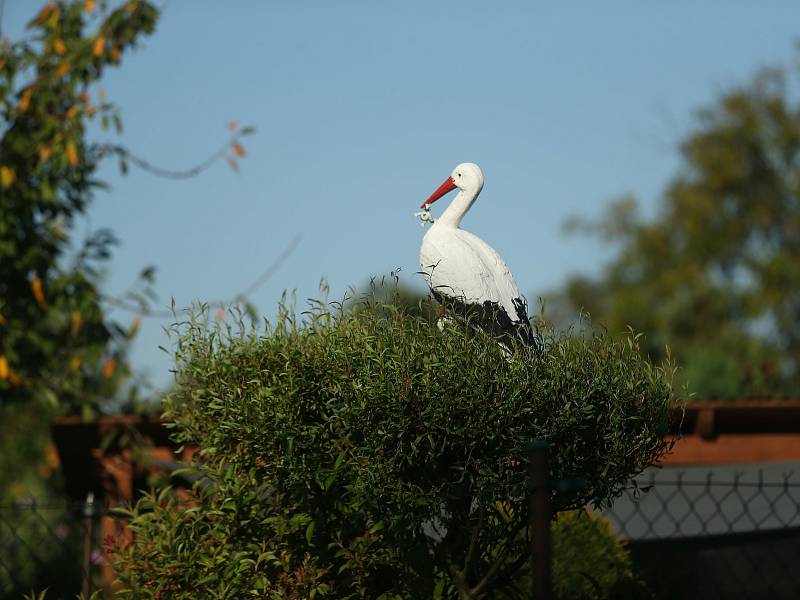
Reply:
x=492, y=318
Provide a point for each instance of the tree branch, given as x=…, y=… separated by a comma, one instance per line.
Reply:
x=277, y=263
x=125, y=155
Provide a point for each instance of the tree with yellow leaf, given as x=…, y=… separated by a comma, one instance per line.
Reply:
x=57, y=349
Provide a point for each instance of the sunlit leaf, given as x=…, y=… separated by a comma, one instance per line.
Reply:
x=72, y=153
x=59, y=46
x=108, y=368
x=76, y=319
x=25, y=100
x=36, y=288
x=88, y=6
x=7, y=176
x=238, y=149
x=99, y=46
x=4, y=370
x=137, y=323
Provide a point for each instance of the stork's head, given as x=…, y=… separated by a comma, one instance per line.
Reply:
x=466, y=176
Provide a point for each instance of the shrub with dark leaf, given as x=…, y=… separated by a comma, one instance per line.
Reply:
x=369, y=454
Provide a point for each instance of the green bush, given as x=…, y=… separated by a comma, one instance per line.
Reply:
x=367, y=454
x=589, y=561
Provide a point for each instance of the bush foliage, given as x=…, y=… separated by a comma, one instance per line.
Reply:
x=367, y=454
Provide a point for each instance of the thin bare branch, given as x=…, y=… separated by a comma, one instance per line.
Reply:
x=125, y=155
x=277, y=263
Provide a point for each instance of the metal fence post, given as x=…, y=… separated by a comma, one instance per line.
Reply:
x=88, y=538
x=539, y=515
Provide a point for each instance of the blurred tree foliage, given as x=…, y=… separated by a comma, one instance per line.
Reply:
x=716, y=275
x=57, y=349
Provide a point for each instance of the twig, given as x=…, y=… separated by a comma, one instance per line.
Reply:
x=125, y=154
x=146, y=311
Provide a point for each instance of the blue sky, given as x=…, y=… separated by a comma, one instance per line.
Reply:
x=363, y=108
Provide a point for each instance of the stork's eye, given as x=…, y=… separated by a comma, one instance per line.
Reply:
x=459, y=174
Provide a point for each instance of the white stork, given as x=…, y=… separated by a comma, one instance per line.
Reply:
x=466, y=273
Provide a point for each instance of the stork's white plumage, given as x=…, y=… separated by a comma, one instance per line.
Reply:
x=461, y=268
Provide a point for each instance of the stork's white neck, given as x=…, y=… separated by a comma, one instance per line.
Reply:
x=459, y=206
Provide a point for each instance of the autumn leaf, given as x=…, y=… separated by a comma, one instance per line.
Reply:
x=62, y=68
x=238, y=149
x=137, y=322
x=4, y=370
x=232, y=163
x=36, y=287
x=88, y=6
x=44, y=152
x=72, y=153
x=233, y=126
x=59, y=46
x=115, y=54
x=99, y=46
x=14, y=378
x=7, y=177
x=2, y=320
x=25, y=100
x=75, y=317
x=75, y=363
x=44, y=13
x=108, y=368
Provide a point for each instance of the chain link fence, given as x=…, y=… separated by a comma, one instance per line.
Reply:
x=721, y=533
x=694, y=533
x=53, y=546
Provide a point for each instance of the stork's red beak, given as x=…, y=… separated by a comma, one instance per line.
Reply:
x=447, y=186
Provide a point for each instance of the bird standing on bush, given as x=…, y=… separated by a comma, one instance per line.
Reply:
x=466, y=274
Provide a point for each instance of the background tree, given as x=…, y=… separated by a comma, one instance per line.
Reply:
x=59, y=351
x=716, y=275
x=56, y=346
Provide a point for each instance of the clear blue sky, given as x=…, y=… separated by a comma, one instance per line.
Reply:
x=363, y=108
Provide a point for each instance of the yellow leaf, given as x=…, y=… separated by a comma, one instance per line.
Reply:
x=72, y=111
x=115, y=54
x=88, y=6
x=36, y=287
x=137, y=322
x=238, y=149
x=75, y=317
x=51, y=456
x=13, y=378
x=72, y=154
x=25, y=100
x=75, y=363
x=4, y=370
x=99, y=46
x=2, y=320
x=59, y=46
x=44, y=13
x=7, y=177
x=108, y=368
x=44, y=152
x=62, y=68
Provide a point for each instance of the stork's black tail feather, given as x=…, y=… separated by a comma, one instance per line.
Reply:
x=492, y=318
